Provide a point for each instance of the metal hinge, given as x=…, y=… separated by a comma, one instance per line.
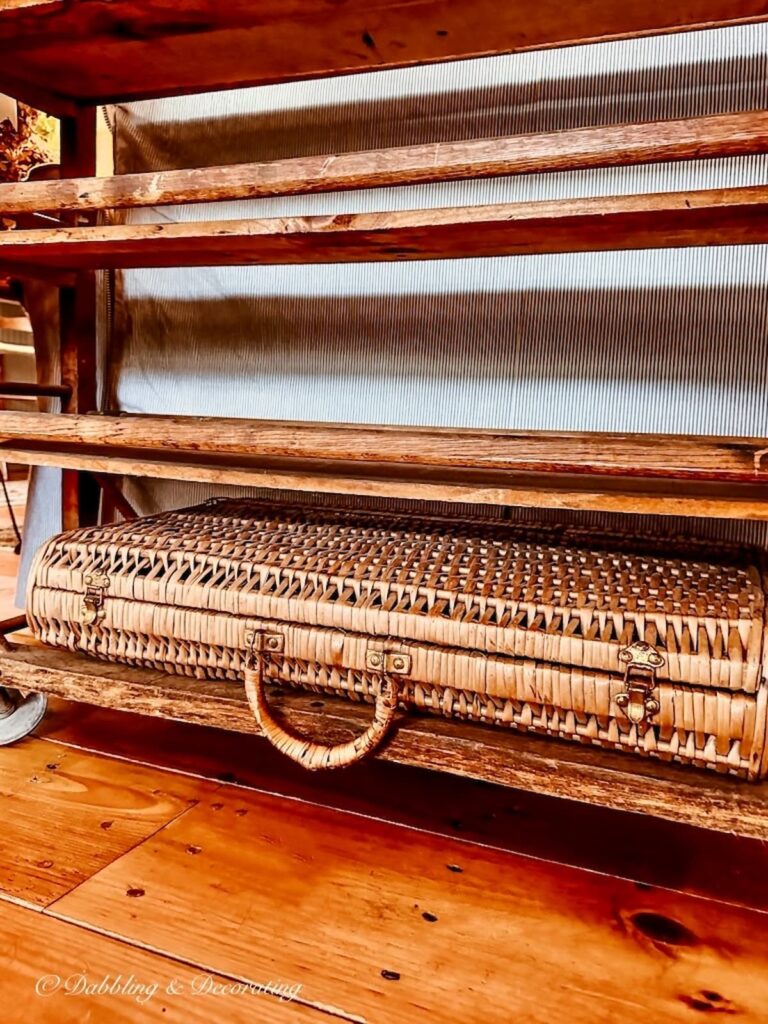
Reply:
x=259, y=641
x=391, y=662
x=93, y=600
x=641, y=661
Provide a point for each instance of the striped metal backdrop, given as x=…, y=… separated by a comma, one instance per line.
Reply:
x=664, y=341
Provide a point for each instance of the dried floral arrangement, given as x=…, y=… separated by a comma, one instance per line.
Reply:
x=33, y=141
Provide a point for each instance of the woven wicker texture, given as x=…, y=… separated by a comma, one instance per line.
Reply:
x=502, y=623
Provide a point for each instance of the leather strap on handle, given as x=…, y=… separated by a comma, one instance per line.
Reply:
x=307, y=753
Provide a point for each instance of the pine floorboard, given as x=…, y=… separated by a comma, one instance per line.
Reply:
x=60, y=959
x=66, y=815
x=387, y=924
x=257, y=887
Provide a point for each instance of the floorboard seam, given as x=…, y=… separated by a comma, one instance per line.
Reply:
x=330, y=1011
x=123, y=853
x=18, y=901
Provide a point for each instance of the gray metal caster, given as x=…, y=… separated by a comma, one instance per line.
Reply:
x=19, y=714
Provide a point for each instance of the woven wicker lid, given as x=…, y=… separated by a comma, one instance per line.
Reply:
x=488, y=586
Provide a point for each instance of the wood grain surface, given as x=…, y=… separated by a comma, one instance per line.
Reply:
x=77, y=323
x=641, y=473
x=66, y=815
x=730, y=216
x=723, y=459
x=393, y=925
x=721, y=135
x=129, y=49
x=48, y=963
x=731, y=501
x=376, y=922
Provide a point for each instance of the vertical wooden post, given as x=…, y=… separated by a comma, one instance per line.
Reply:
x=80, y=495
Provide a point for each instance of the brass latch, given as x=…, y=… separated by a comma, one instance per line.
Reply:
x=93, y=600
x=641, y=661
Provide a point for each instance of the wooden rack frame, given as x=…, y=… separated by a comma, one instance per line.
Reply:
x=96, y=53
x=577, y=149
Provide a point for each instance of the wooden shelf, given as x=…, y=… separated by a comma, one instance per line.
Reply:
x=732, y=216
x=541, y=765
x=677, y=457
x=57, y=54
x=643, y=473
x=725, y=135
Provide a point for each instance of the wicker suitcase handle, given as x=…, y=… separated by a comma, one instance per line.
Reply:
x=307, y=753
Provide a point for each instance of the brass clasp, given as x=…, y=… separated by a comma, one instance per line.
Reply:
x=92, y=609
x=641, y=661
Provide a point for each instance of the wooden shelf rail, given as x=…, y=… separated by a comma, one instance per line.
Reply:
x=731, y=216
x=541, y=765
x=58, y=54
x=663, y=474
x=670, y=456
x=725, y=135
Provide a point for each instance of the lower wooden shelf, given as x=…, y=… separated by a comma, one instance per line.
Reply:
x=537, y=764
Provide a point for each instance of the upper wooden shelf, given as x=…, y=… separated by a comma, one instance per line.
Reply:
x=723, y=135
x=734, y=216
x=57, y=54
x=645, y=473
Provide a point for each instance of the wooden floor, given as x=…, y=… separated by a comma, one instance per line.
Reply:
x=157, y=871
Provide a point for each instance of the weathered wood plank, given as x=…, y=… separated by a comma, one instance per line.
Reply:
x=35, y=91
x=394, y=925
x=731, y=216
x=577, y=149
x=693, y=457
x=129, y=49
x=709, y=501
x=66, y=815
x=77, y=325
x=641, y=473
x=561, y=769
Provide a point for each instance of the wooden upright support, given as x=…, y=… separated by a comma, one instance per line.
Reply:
x=80, y=495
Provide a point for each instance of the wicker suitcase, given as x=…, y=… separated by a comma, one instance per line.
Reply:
x=538, y=630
